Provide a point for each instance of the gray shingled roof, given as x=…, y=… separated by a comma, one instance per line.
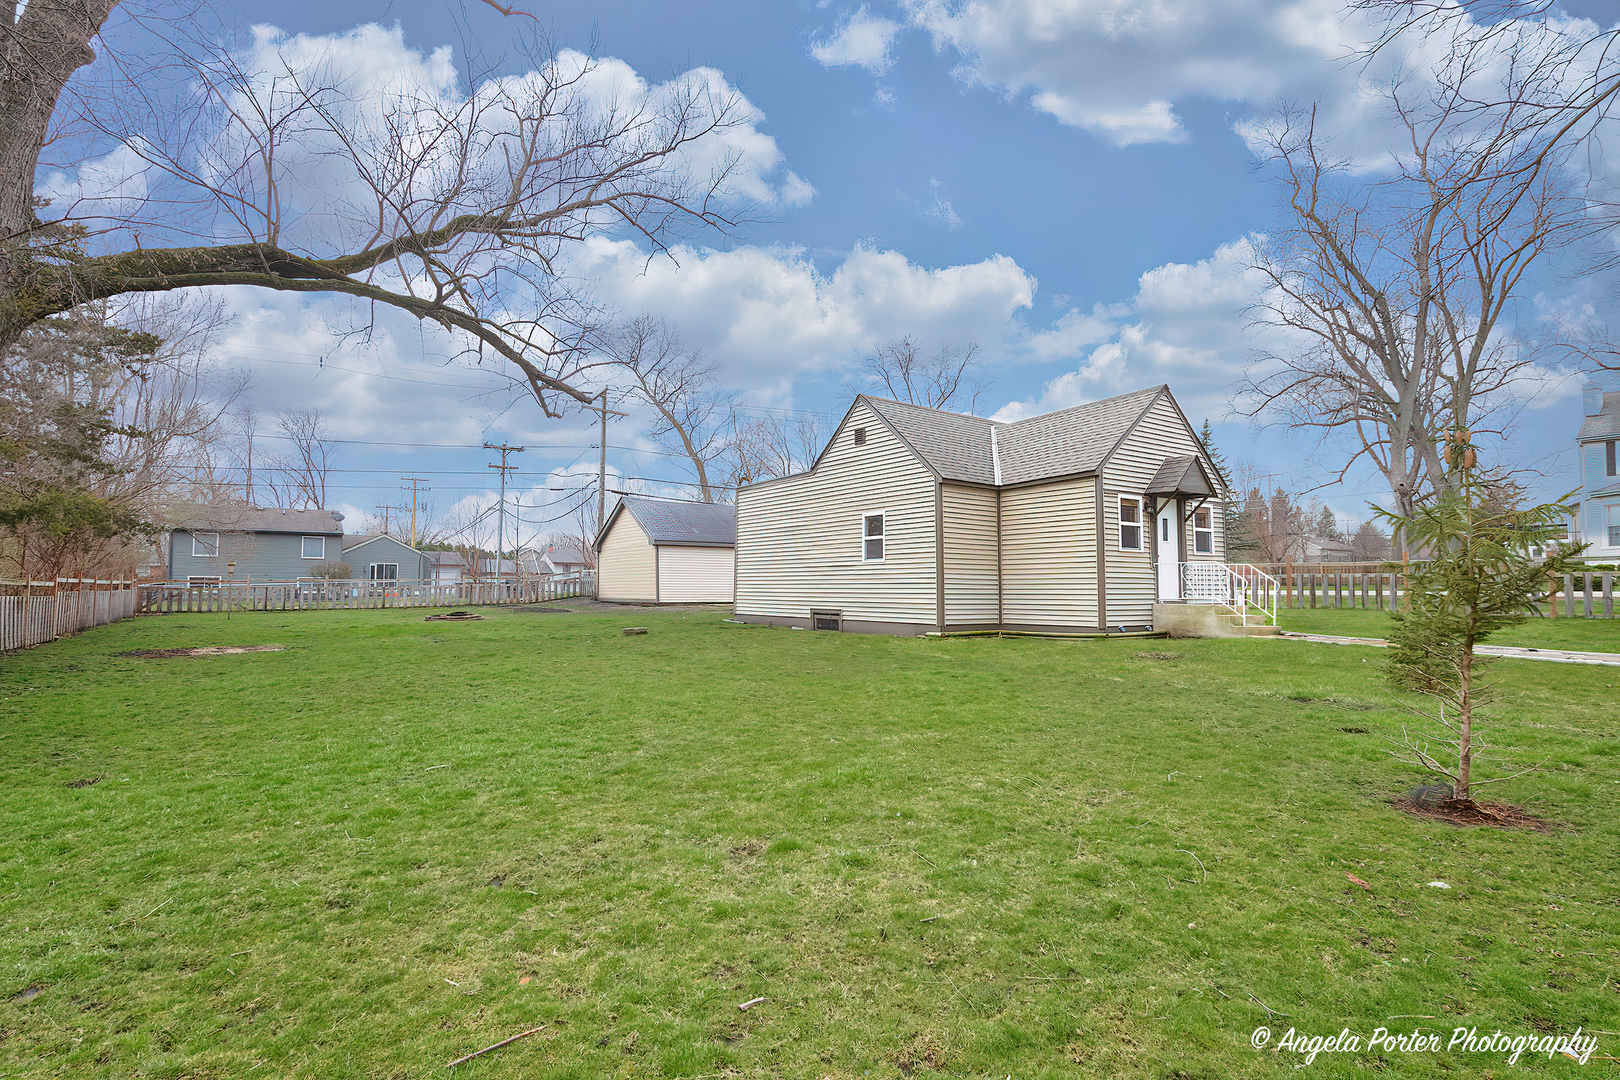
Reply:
x=666, y=521
x=1070, y=442
x=1180, y=476
x=1606, y=424
x=251, y=519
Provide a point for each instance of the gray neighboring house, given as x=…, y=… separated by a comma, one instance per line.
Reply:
x=265, y=545
x=383, y=558
x=1598, y=521
x=667, y=551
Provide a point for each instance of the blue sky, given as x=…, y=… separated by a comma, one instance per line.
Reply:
x=1066, y=184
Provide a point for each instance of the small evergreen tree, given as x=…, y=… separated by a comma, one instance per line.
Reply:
x=1479, y=577
x=1236, y=519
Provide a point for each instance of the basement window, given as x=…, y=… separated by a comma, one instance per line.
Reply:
x=873, y=537
x=860, y=440
x=1130, y=523
x=826, y=620
x=1203, y=532
x=205, y=545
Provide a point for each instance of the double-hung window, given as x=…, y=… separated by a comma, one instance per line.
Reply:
x=874, y=535
x=314, y=547
x=205, y=545
x=1130, y=523
x=1203, y=532
x=1614, y=525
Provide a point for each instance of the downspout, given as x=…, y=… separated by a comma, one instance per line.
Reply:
x=1102, y=557
x=939, y=552
x=995, y=465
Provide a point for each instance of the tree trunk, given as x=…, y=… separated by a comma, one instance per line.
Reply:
x=1465, y=722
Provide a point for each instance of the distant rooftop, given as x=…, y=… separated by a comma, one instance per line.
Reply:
x=696, y=524
x=229, y=518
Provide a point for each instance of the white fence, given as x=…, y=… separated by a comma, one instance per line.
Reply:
x=34, y=612
x=317, y=594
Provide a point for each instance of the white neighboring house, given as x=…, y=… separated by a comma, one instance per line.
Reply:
x=664, y=551
x=1598, y=522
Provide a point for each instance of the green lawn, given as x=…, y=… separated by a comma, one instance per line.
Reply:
x=398, y=841
x=1588, y=635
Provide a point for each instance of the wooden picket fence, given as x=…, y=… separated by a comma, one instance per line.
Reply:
x=34, y=612
x=311, y=594
x=1586, y=595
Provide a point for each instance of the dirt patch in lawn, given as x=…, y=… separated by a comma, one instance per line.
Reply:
x=1466, y=813
x=203, y=650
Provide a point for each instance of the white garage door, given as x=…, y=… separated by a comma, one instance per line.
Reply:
x=691, y=575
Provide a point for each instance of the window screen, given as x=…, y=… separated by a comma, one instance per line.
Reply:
x=1203, y=532
x=1130, y=523
x=873, y=538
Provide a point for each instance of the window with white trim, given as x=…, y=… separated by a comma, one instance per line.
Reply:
x=385, y=571
x=1130, y=523
x=205, y=545
x=1203, y=531
x=874, y=535
x=314, y=547
x=1614, y=525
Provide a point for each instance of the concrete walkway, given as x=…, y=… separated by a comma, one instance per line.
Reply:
x=1517, y=652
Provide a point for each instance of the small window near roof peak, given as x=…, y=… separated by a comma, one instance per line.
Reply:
x=860, y=436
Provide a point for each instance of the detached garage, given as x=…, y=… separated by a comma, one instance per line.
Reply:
x=663, y=551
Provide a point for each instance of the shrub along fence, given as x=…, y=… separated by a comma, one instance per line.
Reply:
x=34, y=612
x=317, y=594
x=1589, y=594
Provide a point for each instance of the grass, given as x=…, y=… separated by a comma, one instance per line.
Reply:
x=1584, y=635
x=398, y=841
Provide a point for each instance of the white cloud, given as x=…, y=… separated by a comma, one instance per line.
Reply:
x=1186, y=326
x=111, y=186
x=768, y=316
x=861, y=40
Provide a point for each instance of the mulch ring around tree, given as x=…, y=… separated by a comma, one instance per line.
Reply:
x=1465, y=813
x=205, y=650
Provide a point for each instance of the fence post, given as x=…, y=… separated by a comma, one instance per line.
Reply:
x=1608, y=595
x=1591, y=612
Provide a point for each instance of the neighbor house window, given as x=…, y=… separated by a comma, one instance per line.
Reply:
x=1203, y=532
x=385, y=571
x=872, y=537
x=314, y=547
x=1614, y=525
x=205, y=545
x=1130, y=523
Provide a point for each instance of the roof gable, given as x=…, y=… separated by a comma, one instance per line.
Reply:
x=1606, y=424
x=670, y=521
x=253, y=519
x=1071, y=442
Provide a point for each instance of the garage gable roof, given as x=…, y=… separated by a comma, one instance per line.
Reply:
x=687, y=524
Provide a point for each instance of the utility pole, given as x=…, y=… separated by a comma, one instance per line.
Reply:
x=388, y=521
x=601, y=468
x=414, y=481
x=500, y=535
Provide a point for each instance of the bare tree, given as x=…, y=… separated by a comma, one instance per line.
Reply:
x=302, y=471
x=1397, y=291
x=951, y=377
x=453, y=206
x=770, y=445
x=680, y=387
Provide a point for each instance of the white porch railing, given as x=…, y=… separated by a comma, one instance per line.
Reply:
x=1246, y=591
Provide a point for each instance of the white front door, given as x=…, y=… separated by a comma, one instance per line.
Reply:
x=1167, y=539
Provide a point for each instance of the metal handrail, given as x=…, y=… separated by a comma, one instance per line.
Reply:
x=1243, y=589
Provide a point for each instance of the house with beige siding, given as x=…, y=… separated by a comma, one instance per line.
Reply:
x=914, y=520
x=666, y=551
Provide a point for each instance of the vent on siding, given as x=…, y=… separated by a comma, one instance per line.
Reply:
x=860, y=436
x=823, y=620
